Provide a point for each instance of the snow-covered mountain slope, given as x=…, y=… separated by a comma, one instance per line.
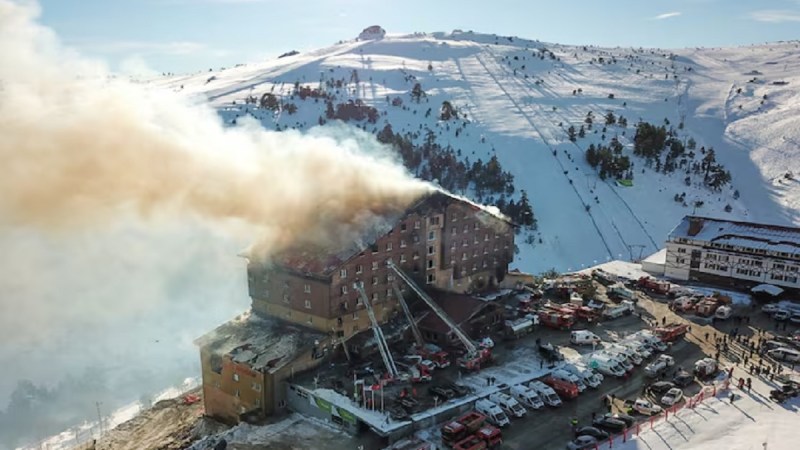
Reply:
x=520, y=96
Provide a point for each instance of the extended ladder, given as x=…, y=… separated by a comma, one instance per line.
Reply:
x=383, y=346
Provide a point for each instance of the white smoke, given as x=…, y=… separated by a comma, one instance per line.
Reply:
x=122, y=208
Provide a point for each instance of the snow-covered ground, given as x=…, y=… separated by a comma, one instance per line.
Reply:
x=751, y=422
x=519, y=105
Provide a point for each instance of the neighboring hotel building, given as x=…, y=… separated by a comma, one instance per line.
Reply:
x=305, y=304
x=731, y=253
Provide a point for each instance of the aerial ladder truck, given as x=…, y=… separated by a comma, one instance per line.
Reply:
x=426, y=350
x=475, y=357
x=383, y=346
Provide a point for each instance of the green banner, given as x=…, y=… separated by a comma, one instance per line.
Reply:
x=322, y=404
x=346, y=416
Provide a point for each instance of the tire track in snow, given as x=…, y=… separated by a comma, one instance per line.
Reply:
x=526, y=85
x=553, y=149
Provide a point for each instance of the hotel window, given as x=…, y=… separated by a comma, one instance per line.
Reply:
x=434, y=220
x=463, y=256
x=453, y=245
x=402, y=243
x=256, y=386
x=486, y=237
x=475, y=227
x=355, y=317
x=431, y=250
x=475, y=239
x=430, y=264
x=374, y=297
x=307, y=288
x=237, y=394
x=485, y=264
x=416, y=238
x=258, y=402
x=403, y=258
x=343, y=273
x=454, y=231
x=236, y=377
x=388, y=293
x=388, y=246
x=343, y=289
x=415, y=255
x=464, y=243
x=431, y=278
x=308, y=304
x=374, y=265
x=359, y=268
x=416, y=225
x=431, y=235
x=466, y=228
x=374, y=281
x=403, y=226
x=285, y=298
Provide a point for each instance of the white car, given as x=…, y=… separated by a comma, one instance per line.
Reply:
x=646, y=407
x=486, y=342
x=428, y=364
x=672, y=397
x=770, y=308
x=781, y=314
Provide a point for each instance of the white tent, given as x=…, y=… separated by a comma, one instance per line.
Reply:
x=767, y=289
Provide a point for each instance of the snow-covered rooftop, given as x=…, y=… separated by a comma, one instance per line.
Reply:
x=261, y=343
x=774, y=238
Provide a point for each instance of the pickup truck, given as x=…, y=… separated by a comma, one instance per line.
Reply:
x=625, y=308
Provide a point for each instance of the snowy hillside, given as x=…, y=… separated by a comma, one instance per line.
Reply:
x=516, y=99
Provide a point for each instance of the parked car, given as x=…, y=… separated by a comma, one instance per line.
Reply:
x=459, y=389
x=785, y=354
x=583, y=337
x=610, y=424
x=660, y=387
x=593, y=432
x=672, y=397
x=683, y=378
x=629, y=420
x=442, y=392
x=795, y=318
x=781, y=315
x=659, y=366
x=645, y=407
x=770, y=308
x=581, y=443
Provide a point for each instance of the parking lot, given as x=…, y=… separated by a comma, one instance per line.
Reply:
x=550, y=428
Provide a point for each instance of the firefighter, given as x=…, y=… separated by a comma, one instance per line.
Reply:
x=574, y=424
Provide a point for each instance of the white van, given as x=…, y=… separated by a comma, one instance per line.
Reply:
x=583, y=337
x=650, y=340
x=624, y=353
x=646, y=407
x=527, y=396
x=639, y=347
x=565, y=375
x=606, y=365
x=723, y=312
x=493, y=413
x=547, y=394
x=589, y=378
x=784, y=354
x=508, y=404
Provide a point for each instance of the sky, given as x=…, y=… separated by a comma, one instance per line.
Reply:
x=191, y=35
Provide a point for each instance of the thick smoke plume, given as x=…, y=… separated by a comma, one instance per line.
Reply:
x=121, y=210
x=78, y=146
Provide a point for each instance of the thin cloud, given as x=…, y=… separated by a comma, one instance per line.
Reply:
x=173, y=48
x=667, y=15
x=775, y=16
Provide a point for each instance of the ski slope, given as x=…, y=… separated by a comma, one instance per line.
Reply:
x=519, y=109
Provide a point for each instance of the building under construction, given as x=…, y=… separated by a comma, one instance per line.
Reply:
x=343, y=308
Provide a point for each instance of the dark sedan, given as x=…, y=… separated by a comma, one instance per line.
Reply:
x=683, y=378
x=593, y=432
x=660, y=387
x=629, y=420
x=609, y=424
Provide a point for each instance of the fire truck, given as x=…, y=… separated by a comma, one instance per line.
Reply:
x=471, y=431
x=671, y=332
x=653, y=285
